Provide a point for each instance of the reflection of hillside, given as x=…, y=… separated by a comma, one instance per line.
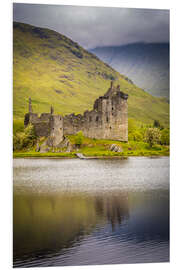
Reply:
x=113, y=207
x=48, y=223
x=55, y=224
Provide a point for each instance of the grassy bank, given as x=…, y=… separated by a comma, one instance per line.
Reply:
x=32, y=153
x=101, y=148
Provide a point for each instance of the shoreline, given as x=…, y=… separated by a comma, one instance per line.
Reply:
x=21, y=155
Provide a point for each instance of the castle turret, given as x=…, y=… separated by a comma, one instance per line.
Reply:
x=52, y=109
x=30, y=106
x=112, y=83
x=112, y=90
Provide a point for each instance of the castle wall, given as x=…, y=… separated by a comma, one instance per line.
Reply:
x=107, y=120
x=41, y=124
x=47, y=125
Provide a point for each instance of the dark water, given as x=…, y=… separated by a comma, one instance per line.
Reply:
x=79, y=212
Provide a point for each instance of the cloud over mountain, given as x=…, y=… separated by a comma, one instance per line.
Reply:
x=98, y=26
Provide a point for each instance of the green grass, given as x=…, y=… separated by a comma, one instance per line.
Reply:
x=18, y=125
x=137, y=150
x=100, y=148
x=41, y=155
x=52, y=69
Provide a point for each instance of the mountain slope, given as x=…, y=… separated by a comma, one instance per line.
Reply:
x=52, y=69
x=147, y=64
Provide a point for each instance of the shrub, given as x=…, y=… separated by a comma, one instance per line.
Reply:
x=165, y=136
x=79, y=138
x=152, y=136
x=24, y=139
x=134, y=132
x=136, y=136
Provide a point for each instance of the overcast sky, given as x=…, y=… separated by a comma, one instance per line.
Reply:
x=97, y=26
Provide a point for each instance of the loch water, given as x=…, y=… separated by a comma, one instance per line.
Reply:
x=90, y=212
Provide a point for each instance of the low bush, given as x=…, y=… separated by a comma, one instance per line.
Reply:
x=165, y=136
x=152, y=136
x=79, y=139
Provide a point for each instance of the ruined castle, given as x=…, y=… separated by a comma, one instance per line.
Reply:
x=107, y=120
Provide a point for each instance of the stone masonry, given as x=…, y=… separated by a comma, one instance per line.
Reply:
x=107, y=120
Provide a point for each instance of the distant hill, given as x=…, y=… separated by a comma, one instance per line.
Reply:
x=146, y=64
x=52, y=69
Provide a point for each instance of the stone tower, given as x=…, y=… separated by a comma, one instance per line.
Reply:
x=107, y=120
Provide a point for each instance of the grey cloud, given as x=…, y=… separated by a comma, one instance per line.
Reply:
x=98, y=26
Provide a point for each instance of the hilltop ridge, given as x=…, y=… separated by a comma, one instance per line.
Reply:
x=147, y=64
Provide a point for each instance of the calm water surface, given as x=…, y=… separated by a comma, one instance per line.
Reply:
x=79, y=212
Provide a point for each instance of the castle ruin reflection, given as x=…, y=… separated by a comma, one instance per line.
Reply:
x=114, y=207
x=53, y=222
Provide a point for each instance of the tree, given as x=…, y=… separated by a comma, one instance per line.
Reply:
x=152, y=136
x=79, y=138
x=131, y=129
x=135, y=136
x=156, y=124
x=24, y=139
x=165, y=136
x=135, y=133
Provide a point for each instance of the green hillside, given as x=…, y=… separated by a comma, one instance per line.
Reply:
x=52, y=69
